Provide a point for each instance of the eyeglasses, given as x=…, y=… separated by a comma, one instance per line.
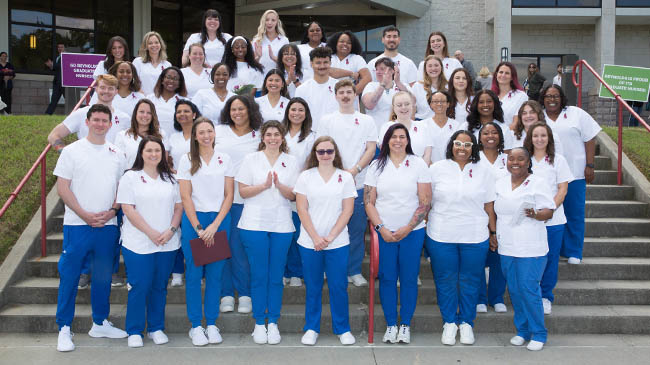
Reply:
x=322, y=152
x=459, y=144
x=171, y=78
x=552, y=97
x=439, y=102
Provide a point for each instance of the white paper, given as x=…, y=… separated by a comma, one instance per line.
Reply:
x=521, y=213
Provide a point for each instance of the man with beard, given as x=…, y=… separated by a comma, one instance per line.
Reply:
x=319, y=91
x=404, y=66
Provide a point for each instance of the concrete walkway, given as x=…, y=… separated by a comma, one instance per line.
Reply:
x=240, y=349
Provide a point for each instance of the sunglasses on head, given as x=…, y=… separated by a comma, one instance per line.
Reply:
x=459, y=144
x=322, y=152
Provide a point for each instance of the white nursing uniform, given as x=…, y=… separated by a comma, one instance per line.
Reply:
x=352, y=62
x=499, y=167
x=213, y=48
x=76, y=123
x=508, y=137
x=423, y=110
x=304, y=49
x=554, y=174
x=270, y=112
x=123, y=104
x=149, y=74
x=178, y=146
x=511, y=104
x=245, y=75
x=99, y=70
x=462, y=110
x=449, y=65
x=557, y=141
x=320, y=97
x=407, y=70
x=419, y=132
x=275, y=44
x=440, y=137
x=165, y=109
x=237, y=147
x=209, y=181
x=126, y=143
x=194, y=82
x=381, y=112
x=209, y=103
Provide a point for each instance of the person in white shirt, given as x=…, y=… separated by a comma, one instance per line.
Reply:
x=557, y=79
x=196, y=75
x=150, y=199
x=419, y=134
x=185, y=114
x=347, y=60
x=88, y=172
x=319, y=91
x=578, y=131
x=237, y=135
x=274, y=99
x=511, y=95
x=356, y=136
x=523, y=202
x=441, y=126
x=433, y=80
x=378, y=95
x=266, y=179
x=405, y=67
x=486, y=108
x=460, y=229
x=397, y=199
x=211, y=37
x=437, y=46
x=116, y=51
x=313, y=38
x=246, y=74
x=462, y=92
x=152, y=61
x=128, y=87
x=555, y=171
x=325, y=194
x=269, y=39
x=169, y=89
x=210, y=101
x=292, y=68
x=206, y=182
x=531, y=113
x=144, y=122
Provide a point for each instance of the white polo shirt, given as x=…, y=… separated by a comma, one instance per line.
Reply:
x=304, y=49
x=351, y=62
x=209, y=181
x=458, y=205
x=381, y=112
x=419, y=132
x=449, y=64
x=320, y=97
x=270, y=112
x=307, y=73
x=397, y=190
x=209, y=104
x=194, y=82
x=125, y=142
x=125, y=105
x=351, y=132
x=154, y=200
x=440, y=137
x=508, y=136
x=276, y=44
x=76, y=123
x=408, y=71
x=99, y=70
x=301, y=151
x=511, y=104
x=165, y=110
x=267, y=211
x=178, y=146
x=528, y=238
x=554, y=174
x=94, y=172
x=557, y=141
x=575, y=127
x=149, y=74
x=423, y=110
x=462, y=110
x=213, y=48
x=237, y=147
x=499, y=167
x=325, y=204
x=245, y=75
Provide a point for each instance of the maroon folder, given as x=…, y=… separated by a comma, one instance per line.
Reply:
x=203, y=255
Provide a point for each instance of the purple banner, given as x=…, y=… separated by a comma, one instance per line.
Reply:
x=77, y=68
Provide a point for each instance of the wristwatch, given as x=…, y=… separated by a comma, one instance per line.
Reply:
x=199, y=227
x=379, y=227
x=115, y=210
x=493, y=233
x=590, y=165
x=358, y=168
x=173, y=229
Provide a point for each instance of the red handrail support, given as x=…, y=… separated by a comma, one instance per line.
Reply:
x=374, y=267
x=621, y=104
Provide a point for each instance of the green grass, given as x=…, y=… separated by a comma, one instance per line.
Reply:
x=635, y=146
x=22, y=139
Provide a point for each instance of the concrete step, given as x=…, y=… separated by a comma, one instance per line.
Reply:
x=605, y=177
x=617, y=227
x=602, y=163
x=616, y=247
x=610, y=192
x=615, y=209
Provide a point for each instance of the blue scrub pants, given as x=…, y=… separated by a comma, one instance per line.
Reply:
x=85, y=267
x=294, y=264
x=549, y=279
x=523, y=275
x=333, y=264
x=496, y=285
x=267, y=256
x=80, y=242
x=400, y=260
x=236, y=272
x=179, y=263
x=194, y=274
x=357, y=230
x=148, y=275
x=574, y=209
x=457, y=271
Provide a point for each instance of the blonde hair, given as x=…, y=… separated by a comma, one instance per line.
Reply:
x=261, y=29
x=144, y=52
x=484, y=72
x=108, y=79
x=393, y=115
x=200, y=45
x=426, y=79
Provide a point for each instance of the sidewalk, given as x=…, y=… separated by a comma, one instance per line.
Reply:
x=240, y=349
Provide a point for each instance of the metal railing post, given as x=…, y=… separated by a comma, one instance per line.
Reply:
x=43, y=212
x=619, y=168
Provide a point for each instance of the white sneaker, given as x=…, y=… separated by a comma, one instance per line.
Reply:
x=466, y=334
x=213, y=334
x=159, y=337
x=106, y=329
x=347, y=339
x=390, y=335
x=359, y=280
x=295, y=281
x=177, y=279
x=64, y=343
x=227, y=304
x=349, y=279
x=135, y=341
x=548, y=306
x=245, y=305
x=273, y=334
x=419, y=281
x=285, y=281
x=309, y=338
x=500, y=308
x=449, y=331
x=572, y=261
x=404, y=334
x=259, y=334
x=481, y=308
x=517, y=341
x=197, y=334
x=535, y=345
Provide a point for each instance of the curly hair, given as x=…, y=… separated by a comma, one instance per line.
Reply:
x=474, y=117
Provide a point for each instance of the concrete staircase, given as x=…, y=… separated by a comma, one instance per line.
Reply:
x=608, y=293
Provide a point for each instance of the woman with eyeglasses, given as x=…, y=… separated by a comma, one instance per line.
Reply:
x=291, y=66
x=460, y=229
x=169, y=89
x=397, y=198
x=441, y=125
x=275, y=98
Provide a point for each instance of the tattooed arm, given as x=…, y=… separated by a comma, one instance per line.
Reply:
x=369, y=200
x=424, y=197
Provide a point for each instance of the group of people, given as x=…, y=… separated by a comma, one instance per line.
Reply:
x=486, y=179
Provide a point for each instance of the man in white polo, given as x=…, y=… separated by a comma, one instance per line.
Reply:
x=318, y=91
x=407, y=70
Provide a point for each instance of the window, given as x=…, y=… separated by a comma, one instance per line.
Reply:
x=633, y=3
x=556, y=3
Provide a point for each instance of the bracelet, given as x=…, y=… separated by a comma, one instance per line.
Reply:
x=590, y=165
x=115, y=210
x=358, y=168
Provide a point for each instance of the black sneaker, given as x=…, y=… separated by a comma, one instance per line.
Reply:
x=84, y=280
x=117, y=280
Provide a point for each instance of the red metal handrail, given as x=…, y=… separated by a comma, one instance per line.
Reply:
x=374, y=267
x=621, y=104
x=41, y=160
